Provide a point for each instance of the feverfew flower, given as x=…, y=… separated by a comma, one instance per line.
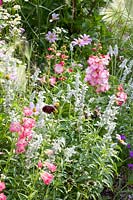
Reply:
x=54, y=17
x=51, y=37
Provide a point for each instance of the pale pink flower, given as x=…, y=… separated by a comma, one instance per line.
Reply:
x=2, y=196
x=47, y=177
x=50, y=166
x=58, y=68
x=86, y=39
x=15, y=127
x=49, y=152
x=52, y=80
x=2, y=186
x=27, y=111
x=40, y=164
x=78, y=42
x=96, y=74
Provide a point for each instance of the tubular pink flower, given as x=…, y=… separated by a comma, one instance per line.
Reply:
x=15, y=127
x=2, y=186
x=2, y=196
x=27, y=112
x=47, y=178
x=50, y=166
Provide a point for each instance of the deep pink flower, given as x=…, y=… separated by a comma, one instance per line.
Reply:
x=2, y=186
x=40, y=164
x=2, y=196
x=25, y=133
x=47, y=178
x=15, y=127
x=50, y=166
x=1, y=2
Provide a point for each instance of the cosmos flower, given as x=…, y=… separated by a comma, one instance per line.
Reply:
x=51, y=37
x=54, y=17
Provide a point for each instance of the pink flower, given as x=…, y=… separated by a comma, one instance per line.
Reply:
x=49, y=152
x=47, y=178
x=40, y=165
x=50, y=166
x=58, y=68
x=96, y=74
x=78, y=42
x=27, y=111
x=15, y=127
x=2, y=186
x=2, y=196
x=86, y=39
x=25, y=133
x=1, y=2
x=121, y=98
x=52, y=80
x=28, y=123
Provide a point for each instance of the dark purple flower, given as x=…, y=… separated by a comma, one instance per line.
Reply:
x=123, y=137
x=130, y=166
x=131, y=154
x=128, y=146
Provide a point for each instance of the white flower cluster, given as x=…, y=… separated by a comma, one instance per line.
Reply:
x=58, y=144
x=107, y=119
x=69, y=152
x=32, y=151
